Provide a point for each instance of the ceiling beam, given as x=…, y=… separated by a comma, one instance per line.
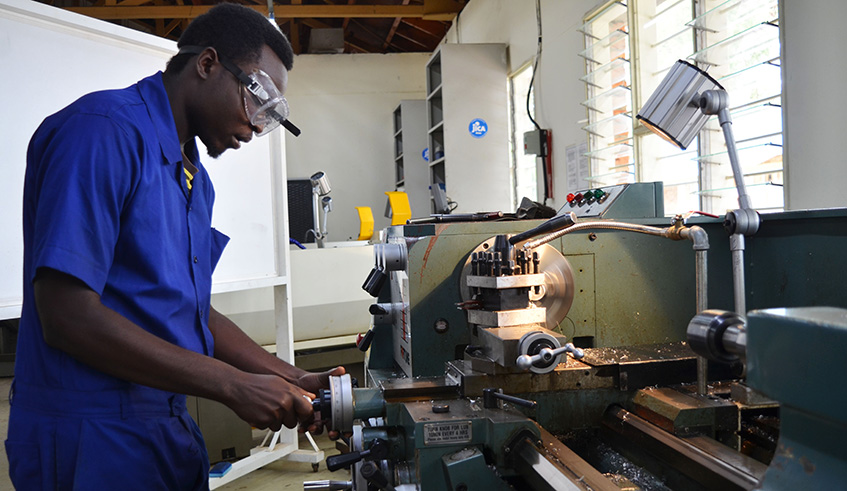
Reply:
x=280, y=11
x=423, y=26
x=393, y=29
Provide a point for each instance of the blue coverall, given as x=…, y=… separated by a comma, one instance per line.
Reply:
x=105, y=201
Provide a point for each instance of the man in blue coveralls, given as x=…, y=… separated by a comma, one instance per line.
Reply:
x=119, y=251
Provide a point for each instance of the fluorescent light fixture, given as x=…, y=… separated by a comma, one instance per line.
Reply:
x=673, y=111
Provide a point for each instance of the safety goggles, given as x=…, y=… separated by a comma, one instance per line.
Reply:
x=265, y=106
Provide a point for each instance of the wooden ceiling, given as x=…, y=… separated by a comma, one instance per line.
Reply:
x=369, y=26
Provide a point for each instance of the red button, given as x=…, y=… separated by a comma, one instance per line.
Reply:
x=570, y=197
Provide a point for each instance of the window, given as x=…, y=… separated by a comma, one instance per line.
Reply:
x=524, y=167
x=737, y=42
x=608, y=80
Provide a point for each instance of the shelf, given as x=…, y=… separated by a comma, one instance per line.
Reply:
x=436, y=128
x=755, y=12
x=618, y=64
x=762, y=39
x=435, y=93
x=398, y=158
x=433, y=73
x=436, y=162
x=249, y=284
x=592, y=52
x=398, y=183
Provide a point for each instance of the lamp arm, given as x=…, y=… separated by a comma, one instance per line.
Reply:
x=717, y=102
x=726, y=125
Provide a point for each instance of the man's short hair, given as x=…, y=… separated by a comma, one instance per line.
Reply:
x=236, y=32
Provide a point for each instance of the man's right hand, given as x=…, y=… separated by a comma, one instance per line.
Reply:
x=269, y=401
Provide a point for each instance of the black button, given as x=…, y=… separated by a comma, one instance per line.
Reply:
x=195, y=259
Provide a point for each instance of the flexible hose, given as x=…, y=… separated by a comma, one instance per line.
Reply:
x=669, y=232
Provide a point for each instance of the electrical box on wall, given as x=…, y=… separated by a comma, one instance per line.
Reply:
x=535, y=143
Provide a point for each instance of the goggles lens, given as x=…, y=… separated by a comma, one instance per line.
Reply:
x=265, y=106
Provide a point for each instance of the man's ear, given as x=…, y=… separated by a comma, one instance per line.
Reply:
x=206, y=60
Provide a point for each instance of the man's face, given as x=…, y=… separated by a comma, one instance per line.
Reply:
x=226, y=124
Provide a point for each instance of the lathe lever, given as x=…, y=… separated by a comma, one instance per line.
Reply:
x=490, y=396
x=377, y=450
x=546, y=355
x=370, y=471
x=327, y=485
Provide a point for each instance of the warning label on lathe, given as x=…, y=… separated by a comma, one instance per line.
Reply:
x=441, y=433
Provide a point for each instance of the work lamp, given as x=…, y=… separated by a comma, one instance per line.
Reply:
x=682, y=104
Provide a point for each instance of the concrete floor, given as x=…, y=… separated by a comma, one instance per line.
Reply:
x=278, y=475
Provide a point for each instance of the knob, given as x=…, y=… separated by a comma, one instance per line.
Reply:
x=377, y=450
x=547, y=355
x=373, y=283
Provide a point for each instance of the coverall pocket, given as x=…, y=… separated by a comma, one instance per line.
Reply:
x=24, y=464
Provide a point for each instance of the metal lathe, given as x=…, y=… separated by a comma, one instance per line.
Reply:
x=600, y=350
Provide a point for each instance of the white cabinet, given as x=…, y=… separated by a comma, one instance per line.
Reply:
x=410, y=164
x=467, y=121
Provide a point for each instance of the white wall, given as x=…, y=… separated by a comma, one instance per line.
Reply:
x=344, y=105
x=558, y=90
x=815, y=112
x=814, y=71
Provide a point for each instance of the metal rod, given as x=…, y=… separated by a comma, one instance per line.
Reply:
x=726, y=125
x=736, y=246
x=701, y=272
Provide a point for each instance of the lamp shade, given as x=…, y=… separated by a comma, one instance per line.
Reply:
x=321, y=182
x=673, y=111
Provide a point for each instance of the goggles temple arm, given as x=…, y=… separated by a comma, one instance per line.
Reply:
x=252, y=85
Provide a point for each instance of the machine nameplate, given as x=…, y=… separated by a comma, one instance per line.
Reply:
x=447, y=433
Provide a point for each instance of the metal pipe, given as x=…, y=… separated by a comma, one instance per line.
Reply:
x=316, y=210
x=669, y=232
x=700, y=239
x=726, y=125
x=736, y=245
x=702, y=304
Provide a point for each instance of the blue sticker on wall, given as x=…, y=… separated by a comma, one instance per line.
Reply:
x=425, y=154
x=478, y=128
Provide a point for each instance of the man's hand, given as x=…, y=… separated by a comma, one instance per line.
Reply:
x=314, y=382
x=268, y=401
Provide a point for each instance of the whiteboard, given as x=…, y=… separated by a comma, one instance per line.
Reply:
x=50, y=57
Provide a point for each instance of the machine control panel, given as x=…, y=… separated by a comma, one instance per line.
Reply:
x=634, y=200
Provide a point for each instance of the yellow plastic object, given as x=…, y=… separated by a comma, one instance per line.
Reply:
x=400, y=209
x=366, y=222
